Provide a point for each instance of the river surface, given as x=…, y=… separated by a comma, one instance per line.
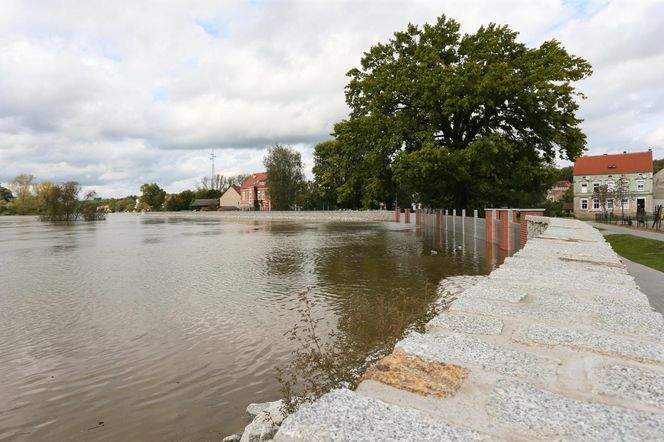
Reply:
x=165, y=328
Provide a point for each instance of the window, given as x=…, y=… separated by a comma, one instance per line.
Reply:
x=610, y=185
x=625, y=203
x=595, y=187
x=584, y=204
x=584, y=188
x=595, y=203
x=640, y=185
x=609, y=203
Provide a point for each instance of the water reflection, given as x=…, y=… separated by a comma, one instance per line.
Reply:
x=167, y=327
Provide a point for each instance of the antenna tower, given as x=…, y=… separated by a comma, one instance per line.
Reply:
x=212, y=157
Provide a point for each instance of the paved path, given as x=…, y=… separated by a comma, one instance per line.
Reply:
x=556, y=344
x=619, y=229
x=650, y=281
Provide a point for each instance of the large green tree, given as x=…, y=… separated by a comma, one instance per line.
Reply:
x=285, y=177
x=152, y=196
x=460, y=120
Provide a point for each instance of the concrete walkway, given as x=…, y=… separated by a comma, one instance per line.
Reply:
x=612, y=228
x=556, y=344
x=650, y=281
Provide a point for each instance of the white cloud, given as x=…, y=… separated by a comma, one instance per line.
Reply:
x=115, y=94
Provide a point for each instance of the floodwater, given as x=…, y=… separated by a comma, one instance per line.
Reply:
x=165, y=328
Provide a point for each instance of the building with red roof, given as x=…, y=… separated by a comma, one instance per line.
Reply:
x=600, y=180
x=254, y=194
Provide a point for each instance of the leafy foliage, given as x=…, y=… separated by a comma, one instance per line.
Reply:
x=60, y=203
x=658, y=165
x=285, y=176
x=180, y=201
x=457, y=120
x=153, y=197
x=22, y=188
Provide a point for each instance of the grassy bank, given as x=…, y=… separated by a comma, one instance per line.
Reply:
x=648, y=252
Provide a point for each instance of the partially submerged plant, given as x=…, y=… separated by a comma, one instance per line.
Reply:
x=323, y=361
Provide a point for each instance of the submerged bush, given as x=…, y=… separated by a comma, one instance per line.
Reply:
x=60, y=203
x=323, y=361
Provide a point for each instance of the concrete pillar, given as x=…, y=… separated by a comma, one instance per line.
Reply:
x=439, y=219
x=406, y=215
x=396, y=215
x=418, y=216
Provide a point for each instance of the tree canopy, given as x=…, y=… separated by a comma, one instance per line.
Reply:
x=455, y=120
x=285, y=177
x=153, y=196
x=22, y=188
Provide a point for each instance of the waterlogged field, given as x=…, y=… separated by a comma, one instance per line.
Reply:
x=166, y=327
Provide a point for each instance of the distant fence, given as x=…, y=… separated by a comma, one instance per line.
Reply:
x=648, y=220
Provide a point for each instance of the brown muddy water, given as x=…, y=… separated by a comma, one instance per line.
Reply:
x=165, y=328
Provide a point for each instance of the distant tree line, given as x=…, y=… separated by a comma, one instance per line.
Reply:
x=154, y=198
x=55, y=202
x=286, y=183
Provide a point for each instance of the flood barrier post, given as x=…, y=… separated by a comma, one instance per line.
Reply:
x=475, y=213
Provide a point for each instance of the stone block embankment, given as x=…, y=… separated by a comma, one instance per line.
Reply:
x=556, y=344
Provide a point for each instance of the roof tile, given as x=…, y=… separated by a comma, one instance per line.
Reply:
x=614, y=164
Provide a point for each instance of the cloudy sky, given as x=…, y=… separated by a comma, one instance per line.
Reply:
x=117, y=93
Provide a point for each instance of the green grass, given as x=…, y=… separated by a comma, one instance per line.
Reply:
x=648, y=252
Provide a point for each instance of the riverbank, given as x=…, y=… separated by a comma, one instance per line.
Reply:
x=558, y=343
x=320, y=215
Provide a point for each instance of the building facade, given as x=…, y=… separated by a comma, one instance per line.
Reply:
x=555, y=193
x=254, y=194
x=632, y=170
x=230, y=200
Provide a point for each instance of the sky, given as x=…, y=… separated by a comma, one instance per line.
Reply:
x=114, y=94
